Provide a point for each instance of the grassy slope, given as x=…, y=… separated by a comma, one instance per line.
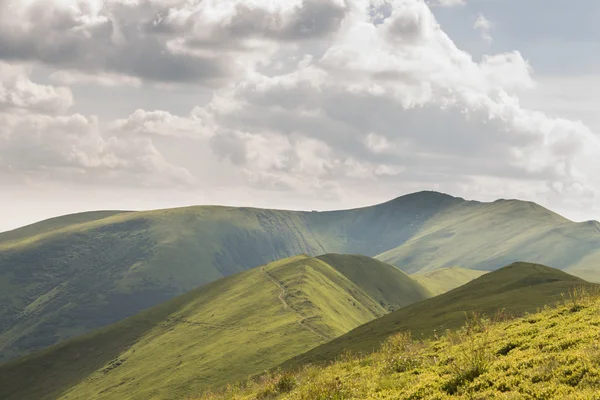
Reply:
x=487, y=236
x=258, y=318
x=392, y=288
x=67, y=276
x=443, y=280
x=553, y=354
x=54, y=224
x=517, y=288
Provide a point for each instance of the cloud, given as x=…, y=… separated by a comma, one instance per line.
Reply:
x=484, y=25
x=449, y=3
x=396, y=101
x=74, y=77
x=18, y=92
x=205, y=42
x=327, y=97
x=148, y=123
x=38, y=139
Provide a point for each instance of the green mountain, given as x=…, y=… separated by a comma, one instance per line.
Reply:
x=443, y=280
x=225, y=331
x=552, y=354
x=487, y=236
x=515, y=289
x=67, y=276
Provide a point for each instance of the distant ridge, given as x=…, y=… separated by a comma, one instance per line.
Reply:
x=67, y=276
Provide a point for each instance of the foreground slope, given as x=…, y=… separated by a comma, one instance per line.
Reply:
x=67, y=276
x=516, y=289
x=443, y=280
x=227, y=330
x=553, y=354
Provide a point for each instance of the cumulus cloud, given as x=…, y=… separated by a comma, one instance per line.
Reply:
x=39, y=139
x=18, y=92
x=197, y=125
x=328, y=97
x=206, y=42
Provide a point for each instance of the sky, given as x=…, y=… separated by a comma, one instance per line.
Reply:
x=296, y=104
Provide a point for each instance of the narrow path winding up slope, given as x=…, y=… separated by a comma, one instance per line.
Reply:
x=286, y=305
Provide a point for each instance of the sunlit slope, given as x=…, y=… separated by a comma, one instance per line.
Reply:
x=390, y=287
x=552, y=354
x=66, y=276
x=489, y=235
x=224, y=331
x=443, y=280
x=518, y=288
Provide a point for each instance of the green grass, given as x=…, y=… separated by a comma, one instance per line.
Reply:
x=227, y=330
x=443, y=280
x=551, y=354
x=70, y=275
x=515, y=289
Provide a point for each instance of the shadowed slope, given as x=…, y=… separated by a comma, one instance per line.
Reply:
x=225, y=331
x=516, y=289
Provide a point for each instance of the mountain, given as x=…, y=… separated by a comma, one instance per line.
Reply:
x=515, y=289
x=552, y=354
x=67, y=276
x=225, y=331
x=487, y=236
x=443, y=280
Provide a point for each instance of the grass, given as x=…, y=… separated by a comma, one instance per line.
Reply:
x=515, y=289
x=257, y=318
x=551, y=354
x=70, y=275
x=443, y=280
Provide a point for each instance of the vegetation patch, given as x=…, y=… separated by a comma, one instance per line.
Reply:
x=485, y=359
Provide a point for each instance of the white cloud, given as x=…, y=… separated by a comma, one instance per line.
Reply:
x=39, y=140
x=323, y=97
x=198, y=124
x=18, y=92
x=74, y=77
x=484, y=25
x=449, y=3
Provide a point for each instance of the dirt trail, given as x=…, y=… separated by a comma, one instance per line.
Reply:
x=287, y=307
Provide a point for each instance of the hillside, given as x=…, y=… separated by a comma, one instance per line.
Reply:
x=553, y=354
x=227, y=330
x=487, y=236
x=443, y=280
x=515, y=289
x=67, y=276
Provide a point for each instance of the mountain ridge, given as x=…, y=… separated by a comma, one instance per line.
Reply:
x=65, y=277
x=258, y=318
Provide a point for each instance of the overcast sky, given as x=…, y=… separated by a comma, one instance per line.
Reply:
x=296, y=104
